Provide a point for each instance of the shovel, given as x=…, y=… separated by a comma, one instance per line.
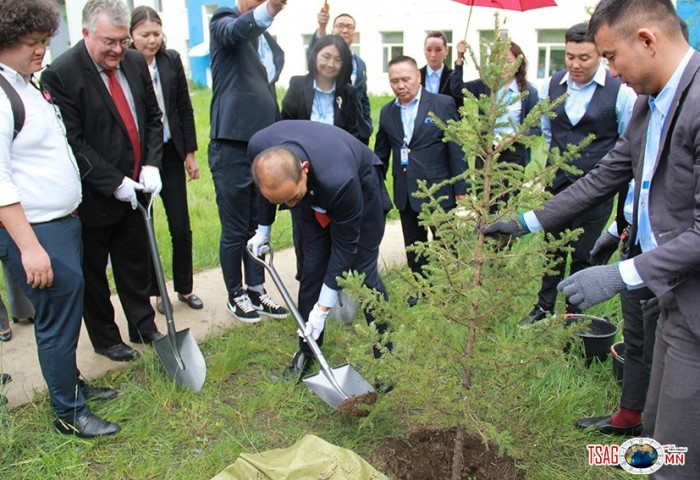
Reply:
x=179, y=352
x=334, y=385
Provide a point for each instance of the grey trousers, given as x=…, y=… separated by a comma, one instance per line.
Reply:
x=672, y=411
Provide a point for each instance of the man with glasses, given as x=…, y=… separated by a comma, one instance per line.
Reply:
x=105, y=94
x=344, y=25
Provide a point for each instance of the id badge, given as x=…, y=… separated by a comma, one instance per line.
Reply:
x=404, y=155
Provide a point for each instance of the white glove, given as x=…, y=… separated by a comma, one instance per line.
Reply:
x=126, y=192
x=150, y=179
x=257, y=241
x=316, y=323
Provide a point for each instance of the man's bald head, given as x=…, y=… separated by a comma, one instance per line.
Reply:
x=280, y=175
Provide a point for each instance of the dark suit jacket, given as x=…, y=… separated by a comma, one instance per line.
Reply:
x=364, y=112
x=96, y=132
x=477, y=87
x=297, y=103
x=243, y=101
x=674, y=196
x=430, y=158
x=344, y=179
x=176, y=97
x=445, y=87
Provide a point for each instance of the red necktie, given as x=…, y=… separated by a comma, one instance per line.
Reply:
x=322, y=218
x=125, y=112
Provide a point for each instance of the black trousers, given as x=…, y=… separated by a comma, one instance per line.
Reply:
x=236, y=199
x=413, y=233
x=125, y=243
x=174, y=195
x=592, y=222
x=638, y=332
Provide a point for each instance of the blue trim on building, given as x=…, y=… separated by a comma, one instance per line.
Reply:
x=689, y=10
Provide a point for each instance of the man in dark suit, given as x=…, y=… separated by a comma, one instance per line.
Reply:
x=435, y=76
x=245, y=64
x=410, y=135
x=643, y=43
x=338, y=181
x=106, y=97
x=344, y=25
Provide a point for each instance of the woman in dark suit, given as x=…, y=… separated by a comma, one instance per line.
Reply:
x=516, y=111
x=324, y=95
x=180, y=143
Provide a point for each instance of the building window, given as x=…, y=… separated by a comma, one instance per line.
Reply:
x=355, y=47
x=550, y=52
x=158, y=6
x=488, y=36
x=392, y=46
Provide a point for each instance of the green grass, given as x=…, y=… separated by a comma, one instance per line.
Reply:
x=168, y=433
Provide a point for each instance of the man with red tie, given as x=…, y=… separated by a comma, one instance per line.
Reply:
x=340, y=180
x=105, y=95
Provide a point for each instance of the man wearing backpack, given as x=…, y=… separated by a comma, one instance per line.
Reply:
x=39, y=195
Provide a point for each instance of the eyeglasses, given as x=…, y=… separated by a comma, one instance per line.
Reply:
x=343, y=26
x=110, y=43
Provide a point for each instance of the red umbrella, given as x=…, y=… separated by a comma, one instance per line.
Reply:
x=518, y=5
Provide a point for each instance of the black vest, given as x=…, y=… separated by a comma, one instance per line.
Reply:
x=600, y=119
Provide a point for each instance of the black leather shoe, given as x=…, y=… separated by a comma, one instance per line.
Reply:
x=383, y=386
x=17, y=320
x=96, y=393
x=537, y=314
x=87, y=426
x=148, y=338
x=193, y=301
x=300, y=366
x=6, y=336
x=161, y=307
x=5, y=378
x=603, y=425
x=121, y=352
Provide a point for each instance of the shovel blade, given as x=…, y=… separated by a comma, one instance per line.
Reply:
x=351, y=383
x=194, y=373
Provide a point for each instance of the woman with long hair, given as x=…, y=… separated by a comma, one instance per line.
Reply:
x=180, y=143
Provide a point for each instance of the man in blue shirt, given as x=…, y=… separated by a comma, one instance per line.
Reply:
x=597, y=104
x=645, y=48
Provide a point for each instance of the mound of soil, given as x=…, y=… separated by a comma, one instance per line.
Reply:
x=354, y=406
x=427, y=455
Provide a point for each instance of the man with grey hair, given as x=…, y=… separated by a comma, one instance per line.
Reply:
x=105, y=94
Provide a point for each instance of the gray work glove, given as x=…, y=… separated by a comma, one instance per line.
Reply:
x=592, y=285
x=506, y=230
x=603, y=249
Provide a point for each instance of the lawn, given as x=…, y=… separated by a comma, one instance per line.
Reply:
x=245, y=406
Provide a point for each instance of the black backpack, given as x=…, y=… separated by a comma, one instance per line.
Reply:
x=15, y=103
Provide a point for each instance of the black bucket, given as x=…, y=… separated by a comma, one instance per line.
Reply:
x=618, y=354
x=598, y=337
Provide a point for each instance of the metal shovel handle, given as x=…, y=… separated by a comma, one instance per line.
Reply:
x=267, y=249
x=160, y=276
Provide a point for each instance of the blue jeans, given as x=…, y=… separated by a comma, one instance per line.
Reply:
x=59, y=310
x=236, y=199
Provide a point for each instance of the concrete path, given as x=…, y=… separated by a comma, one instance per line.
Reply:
x=18, y=357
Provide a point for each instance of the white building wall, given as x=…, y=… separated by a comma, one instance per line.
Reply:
x=173, y=15
x=413, y=17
